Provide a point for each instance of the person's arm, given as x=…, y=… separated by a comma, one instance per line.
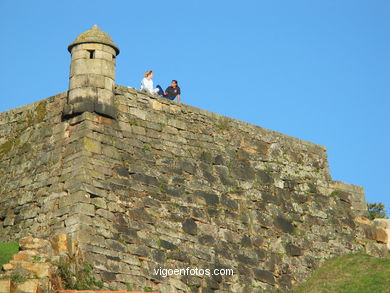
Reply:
x=178, y=96
x=143, y=85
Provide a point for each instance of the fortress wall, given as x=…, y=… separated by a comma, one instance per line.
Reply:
x=172, y=186
x=39, y=170
x=30, y=164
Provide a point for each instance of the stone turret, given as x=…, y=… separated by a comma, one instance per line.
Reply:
x=92, y=74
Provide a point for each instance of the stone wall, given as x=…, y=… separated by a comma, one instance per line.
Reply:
x=171, y=186
x=31, y=167
x=41, y=170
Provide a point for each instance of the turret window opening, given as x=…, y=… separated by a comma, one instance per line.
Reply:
x=91, y=54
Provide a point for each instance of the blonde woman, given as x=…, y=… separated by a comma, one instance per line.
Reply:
x=147, y=83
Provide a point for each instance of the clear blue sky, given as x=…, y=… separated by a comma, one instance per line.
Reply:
x=313, y=69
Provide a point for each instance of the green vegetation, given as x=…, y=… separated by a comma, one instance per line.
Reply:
x=37, y=258
x=193, y=288
x=129, y=287
x=376, y=210
x=222, y=123
x=175, y=206
x=350, y=273
x=40, y=112
x=32, y=117
x=159, y=243
x=146, y=148
x=230, y=165
x=234, y=189
x=7, y=250
x=18, y=278
x=163, y=189
x=78, y=276
x=9, y=145
x=122, y=240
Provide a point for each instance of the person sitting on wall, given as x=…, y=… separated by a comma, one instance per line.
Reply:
x=171, y=92
x=147, y=83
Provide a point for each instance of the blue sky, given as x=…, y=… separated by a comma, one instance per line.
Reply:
x=313, y=69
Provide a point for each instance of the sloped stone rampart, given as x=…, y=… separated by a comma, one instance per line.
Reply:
x=166, y=185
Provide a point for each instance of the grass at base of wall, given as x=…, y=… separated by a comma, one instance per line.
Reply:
x=350, y=273
x=7, y=250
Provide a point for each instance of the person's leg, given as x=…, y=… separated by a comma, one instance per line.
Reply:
x=170, y=98
x=160, y=90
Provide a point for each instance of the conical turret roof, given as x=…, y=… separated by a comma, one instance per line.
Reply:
x=94, y=35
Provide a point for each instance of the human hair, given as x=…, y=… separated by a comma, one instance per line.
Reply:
x=175, y=81
x=149, y=72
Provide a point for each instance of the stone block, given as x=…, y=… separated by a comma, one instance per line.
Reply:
x=59, y=243
x=109, y=50
x=41, y=270
x=179, y=124
x=362, y=220
x=141, y=114
x=293, y=250
x=105, y=109
x=386, y=227
x=80, y=54
x=24, y=255
x=92, y=145
x=8, y=267
x=87, y=80
x=370, y=232
x=264, y=276
x=167, y=245
x=79, y=95
x=104, y=55
x=99, y=202
x=283, y=224
x=105, y=96
x=157, y=105
x=109, y=84
x=88, y=46
x=189, y=226
x=5, y=286
x=93, y=66
x=381, y=235
x=33, y=243
x=29, y=286
x=83, y=209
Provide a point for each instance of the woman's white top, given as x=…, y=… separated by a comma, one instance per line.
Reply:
x=147, y=85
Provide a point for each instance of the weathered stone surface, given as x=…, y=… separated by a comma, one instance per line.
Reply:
x=40, y=270
x=29, y=286
x=5, y=286
x=293, y=250
x=189, y=226
x=92, y=74
x=167, y=184
x=386, y=226
x=264, y=276
x=283, y=224
x=381, y=235
x=33, y=243
x=60, y=243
